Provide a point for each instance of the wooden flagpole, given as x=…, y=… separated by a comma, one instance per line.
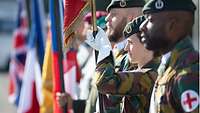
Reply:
x=95, y=30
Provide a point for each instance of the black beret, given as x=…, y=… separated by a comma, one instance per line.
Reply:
x=125, y=4
x=153, y=6
x=133, y=26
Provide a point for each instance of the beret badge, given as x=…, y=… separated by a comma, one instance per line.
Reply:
x=128, y=29
x=159, y=4
x=122, y=3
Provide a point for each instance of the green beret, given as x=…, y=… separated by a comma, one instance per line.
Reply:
x=101, y=22
x=133, y=26
x=125, y=4
x=153, y=6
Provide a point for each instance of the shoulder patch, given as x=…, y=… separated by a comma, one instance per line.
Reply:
x=189, y=100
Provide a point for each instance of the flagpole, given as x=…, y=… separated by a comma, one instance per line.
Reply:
x=28, y=12
x=59, y=45
x=57, y=26
x=95, y=30
x=94, y=24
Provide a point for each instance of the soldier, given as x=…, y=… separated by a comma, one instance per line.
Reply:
x=167, y=31
x=135, y=85
x=120, y=13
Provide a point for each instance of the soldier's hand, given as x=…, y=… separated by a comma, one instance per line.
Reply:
x=100, y=42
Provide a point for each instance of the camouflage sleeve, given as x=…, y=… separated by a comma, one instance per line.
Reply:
x=112, y=103
x=187, y=90
x=122, y=83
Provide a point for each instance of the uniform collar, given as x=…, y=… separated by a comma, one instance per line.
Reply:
x=153, y=64
x=165, y=58
x=183, y=44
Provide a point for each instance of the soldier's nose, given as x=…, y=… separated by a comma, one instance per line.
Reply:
x=143, y=26
x=107, y=18
x=126, y=47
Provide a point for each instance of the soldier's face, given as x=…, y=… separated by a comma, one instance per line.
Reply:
x=116, y=21
x=135, y=49
x=153, y=33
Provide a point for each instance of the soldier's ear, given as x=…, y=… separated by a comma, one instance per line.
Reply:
x=171, y=26
x=172, y=23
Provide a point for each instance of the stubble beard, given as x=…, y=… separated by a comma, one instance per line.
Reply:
x=116, y=33
x=158, y=44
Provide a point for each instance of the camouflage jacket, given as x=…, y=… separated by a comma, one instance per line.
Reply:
x=112, y=103
x=176, y=89
x=135, y=85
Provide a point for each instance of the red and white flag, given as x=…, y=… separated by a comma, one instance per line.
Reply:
x=72, y=74
x=28, y=100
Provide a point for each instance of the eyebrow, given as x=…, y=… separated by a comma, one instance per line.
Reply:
x=129, y=41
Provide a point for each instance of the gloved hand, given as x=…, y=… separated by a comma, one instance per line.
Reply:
x=100, y=43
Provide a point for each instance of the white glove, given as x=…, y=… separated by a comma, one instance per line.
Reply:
x=100, y=43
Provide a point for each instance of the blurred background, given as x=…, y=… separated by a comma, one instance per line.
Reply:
x=8, y=22
x=8, y=15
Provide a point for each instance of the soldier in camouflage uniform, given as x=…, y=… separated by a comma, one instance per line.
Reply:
x=120, y=13
x=135, y=85
x=167, y=31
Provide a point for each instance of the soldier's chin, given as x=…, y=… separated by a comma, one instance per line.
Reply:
x=146, y=45
x=144, y=42
x=129, y=58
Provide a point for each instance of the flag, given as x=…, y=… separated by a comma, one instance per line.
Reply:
x=72, y=74
x=40, y=22
x=28, y=102
x=18, y=56
x=47, y=82
x=56, y=30
x=31, y=89
x=73, y=11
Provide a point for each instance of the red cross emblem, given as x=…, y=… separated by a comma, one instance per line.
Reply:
x=189, y=100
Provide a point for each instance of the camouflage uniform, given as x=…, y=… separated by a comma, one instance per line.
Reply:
x=135, y=85
x=129, y=104
x=176, y=90
x=112, y=103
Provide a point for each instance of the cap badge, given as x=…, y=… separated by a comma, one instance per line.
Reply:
x=122, y=3
x=159, y=4
x=128, y=29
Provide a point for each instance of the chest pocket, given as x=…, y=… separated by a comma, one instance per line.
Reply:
x=161, y=91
